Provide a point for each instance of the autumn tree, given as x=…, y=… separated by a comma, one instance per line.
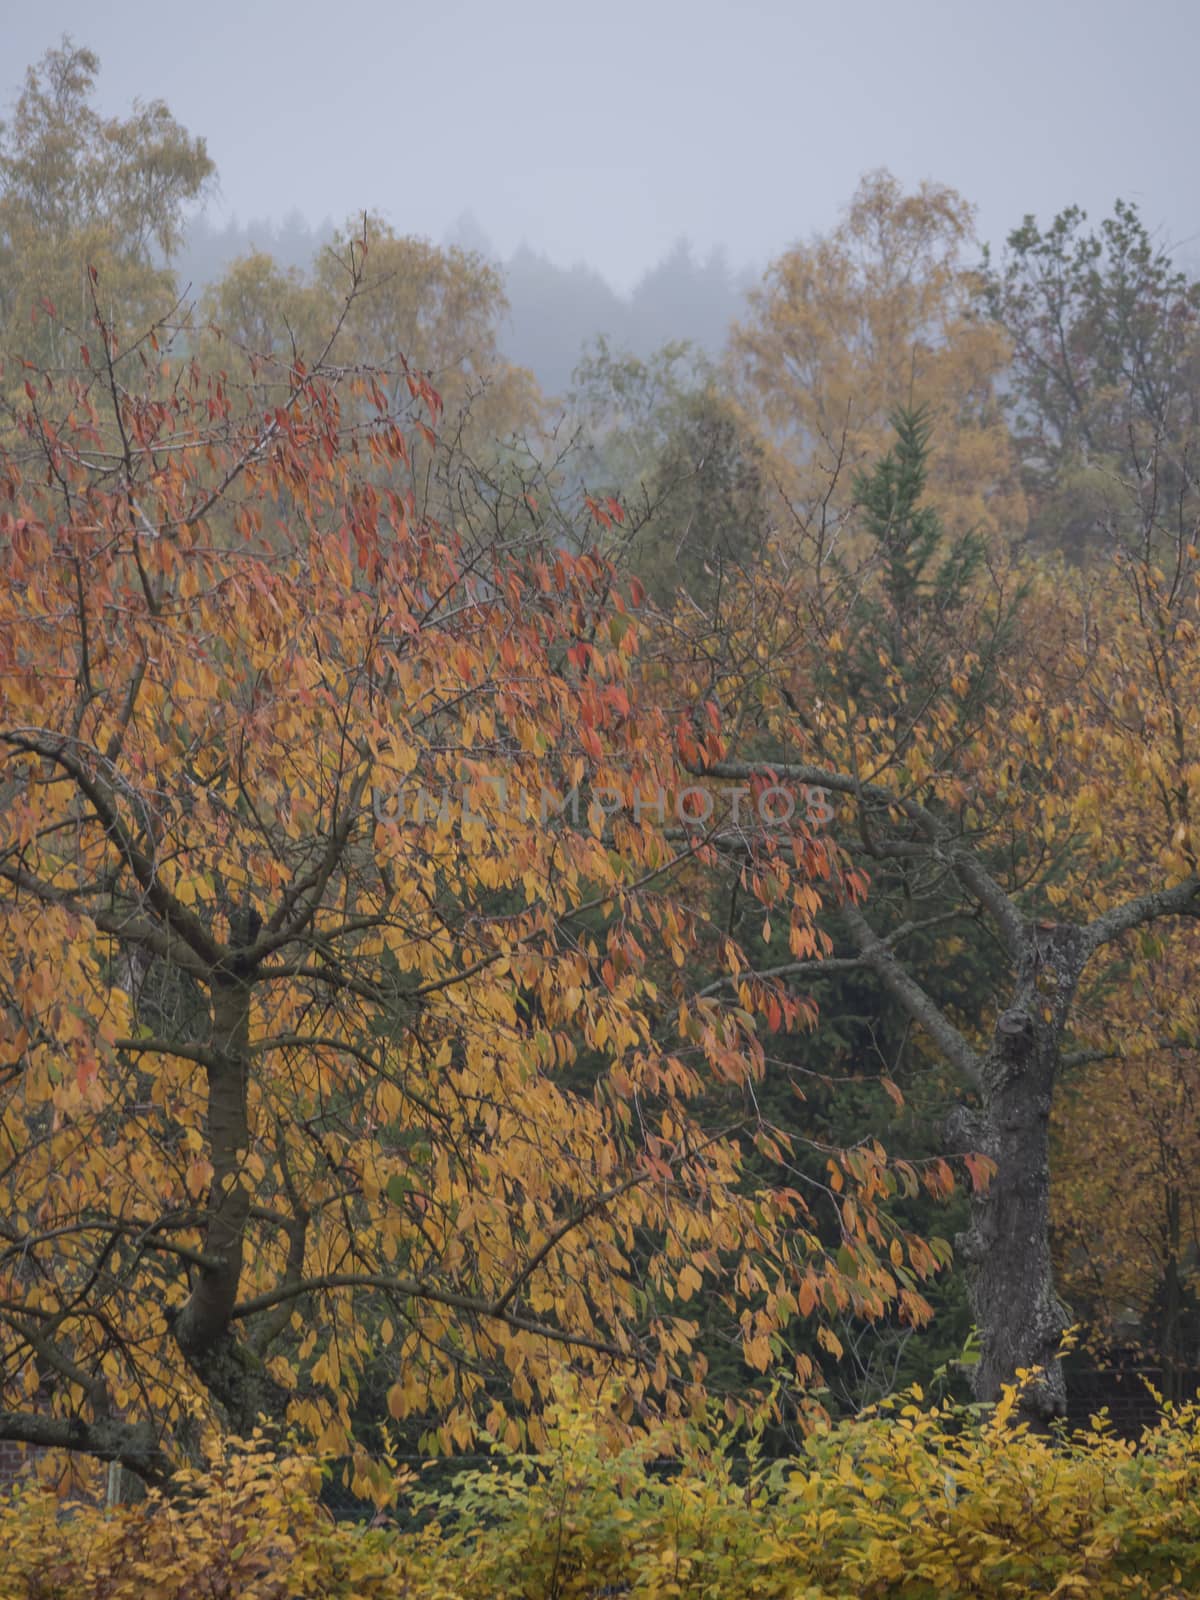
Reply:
x=877, y=314
x=421, y=307
x=330, y=841
x=1125, y=1201
x=1124, y=1135
x=1025, y=793
x=78, y=188
x=266, y=314
x=860, y=1076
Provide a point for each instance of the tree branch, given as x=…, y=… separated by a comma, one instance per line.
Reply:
x=131, y=1445
x=411, y=1289
x=969, y=870
x=1182, y=900
x=919, y=1005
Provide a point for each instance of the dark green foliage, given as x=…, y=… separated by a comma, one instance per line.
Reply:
x=662, y=434
x=1105, y=381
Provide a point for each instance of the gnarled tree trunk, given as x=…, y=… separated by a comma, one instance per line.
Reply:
x=1007, y=1247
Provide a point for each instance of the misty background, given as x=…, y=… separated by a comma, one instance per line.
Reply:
x=634, y=168
x=805, y=195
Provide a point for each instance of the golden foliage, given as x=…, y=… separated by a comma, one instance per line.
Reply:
x=877, y=315
x=333, y=1032
x=417, y=306
x=913, y=1502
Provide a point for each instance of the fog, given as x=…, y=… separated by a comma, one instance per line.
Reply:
x=634, y=166
x=554, y=310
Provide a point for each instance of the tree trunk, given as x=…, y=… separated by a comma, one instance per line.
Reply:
x=204, y=1329
x=1172, y=1354
x=1007, y=1247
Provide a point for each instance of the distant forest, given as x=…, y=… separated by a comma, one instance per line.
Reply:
x=554, y=311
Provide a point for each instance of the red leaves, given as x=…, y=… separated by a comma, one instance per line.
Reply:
x=607, y=513
x=617, y=698
x=420, y=388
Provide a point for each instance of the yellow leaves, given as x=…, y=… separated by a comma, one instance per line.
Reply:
x=688, y=1282
x=254, y=1169
x=118, y=1020
x=757, y=1352
x=198, y=1176
x=828, y=1340
x=911, y=1494
x=189, y=889
x=440, y=951
x=326, y=1369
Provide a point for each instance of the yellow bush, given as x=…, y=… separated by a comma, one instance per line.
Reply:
x=915, y=1501
x=250, y=1529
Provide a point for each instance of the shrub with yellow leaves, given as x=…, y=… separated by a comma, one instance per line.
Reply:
x=913, y=1500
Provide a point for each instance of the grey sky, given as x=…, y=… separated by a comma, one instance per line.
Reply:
x=604, y=131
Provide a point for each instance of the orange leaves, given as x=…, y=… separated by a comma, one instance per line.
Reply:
x=982, y=1170
x=198, y=1176
x=939, y=1179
